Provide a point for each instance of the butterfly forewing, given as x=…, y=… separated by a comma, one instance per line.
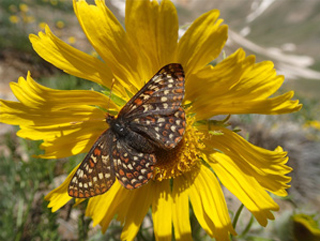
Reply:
x=156, y=109
x=95, y=174
x=152, y=118
x=162, y=95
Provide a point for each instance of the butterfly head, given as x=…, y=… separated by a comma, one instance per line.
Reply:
x=116, y=125
x=109, y=118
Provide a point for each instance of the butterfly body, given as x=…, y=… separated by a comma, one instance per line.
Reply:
x=153, y=119
x=117, y=126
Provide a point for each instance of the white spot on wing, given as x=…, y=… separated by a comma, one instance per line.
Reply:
x=164, y=99
x=173, y=128
x=161, y=120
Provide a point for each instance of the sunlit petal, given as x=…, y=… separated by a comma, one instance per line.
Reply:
x=182, y=230
x=153, y=29
x=245, y=187
x=209, y=205
x=267, y=167
x=162, y=211
x=110, y=41
x=202, y=42
x=72, y=60
x=238, y=85
x=140, y=202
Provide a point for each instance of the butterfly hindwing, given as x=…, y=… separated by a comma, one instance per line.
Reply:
x=132, y=168
x=96, y=173
x=164, y=131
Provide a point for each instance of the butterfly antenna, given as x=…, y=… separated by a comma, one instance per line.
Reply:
x=108, y=105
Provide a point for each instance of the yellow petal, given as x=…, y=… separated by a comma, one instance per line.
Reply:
x=58, y=197
x=202, y=42
x=66, y=120
x=109, y=39
x=238, y=86
x=153, y=29
x=305, y=227
x=40, y=102
x=180, y=208
x=140, y=202
x=211, y=81
x=197, y=204
x=267, y=167
x=244, y=186
x=73, y=61
x=74, y=143
x=209, y=205
x=162, y=210
x=103, y=208
x=78, y=201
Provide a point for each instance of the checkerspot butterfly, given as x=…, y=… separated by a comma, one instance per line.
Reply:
x=152, y=120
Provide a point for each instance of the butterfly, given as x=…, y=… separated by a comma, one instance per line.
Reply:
x=152, y=120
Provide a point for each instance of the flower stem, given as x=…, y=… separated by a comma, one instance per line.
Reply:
x=236, y=218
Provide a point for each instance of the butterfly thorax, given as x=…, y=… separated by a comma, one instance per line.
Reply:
x=127, y=136
x=117, y=126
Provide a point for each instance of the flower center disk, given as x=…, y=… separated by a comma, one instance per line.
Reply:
x=181, y=159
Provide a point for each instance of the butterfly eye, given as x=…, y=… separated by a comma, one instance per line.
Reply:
x=119, y=128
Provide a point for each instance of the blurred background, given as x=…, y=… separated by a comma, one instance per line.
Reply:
x=286, y=32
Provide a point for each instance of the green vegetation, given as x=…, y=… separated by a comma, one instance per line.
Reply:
x=25, y=180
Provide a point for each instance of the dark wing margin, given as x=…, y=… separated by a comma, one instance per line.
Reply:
x=95, y=175
x=132, y=168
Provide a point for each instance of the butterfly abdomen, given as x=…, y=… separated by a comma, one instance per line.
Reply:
x=139, y=142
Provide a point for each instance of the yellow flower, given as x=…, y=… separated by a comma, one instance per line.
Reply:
x=94, y=54
x=305, y=227
x=60, y=24
x=70, y=121
x=24, y=7
x=72, y=40
x=313, y=124
x=28, y=19
x=14, y=19
x=42, y=25
x=54, y=2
